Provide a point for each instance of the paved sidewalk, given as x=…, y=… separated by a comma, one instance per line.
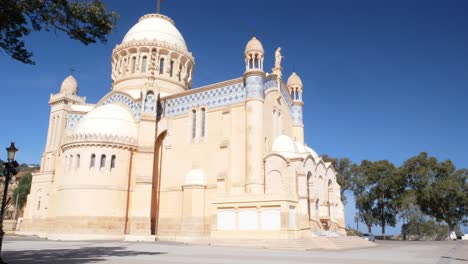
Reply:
x=29, y=250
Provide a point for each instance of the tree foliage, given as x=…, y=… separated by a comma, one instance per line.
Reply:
x=22, y=190
x=440, y=189
x=344, y=170
x=85, y=21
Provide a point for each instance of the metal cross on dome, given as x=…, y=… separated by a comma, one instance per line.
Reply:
x=158, y=9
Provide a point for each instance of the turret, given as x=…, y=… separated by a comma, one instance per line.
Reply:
x=295, y=90
x=254, y=79
x=59, y=107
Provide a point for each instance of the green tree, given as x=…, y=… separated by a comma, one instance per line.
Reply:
x=344, y=169
x=22, y=190
x=85, y=21
x=441, y=190
x=364, y=201
x=377, y=186
x=388, y=186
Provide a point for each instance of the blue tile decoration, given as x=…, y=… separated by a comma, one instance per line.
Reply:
x=227, y=95
x=297, y=115
x=254, y=87
x=286, y=97
x=149, y=106
x=73, y=119
x=270, y=84
x=135, y=107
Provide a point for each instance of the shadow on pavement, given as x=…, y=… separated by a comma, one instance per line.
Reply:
x=71, y=256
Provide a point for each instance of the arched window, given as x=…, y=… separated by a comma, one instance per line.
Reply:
x=133, y=64
x=274, y=124
x=180, y=72
x=161, y=66
x=103, y=161
x=144, y=63
x=149, y=102
x=113, y=161
x=172, y=68
x=194, y=123
x=78, y=157
x=280, y=124
x=203, y=122
x=250, y=63
x=70, y=162
x=296, y=97
x=256, y=62
x=92, y=163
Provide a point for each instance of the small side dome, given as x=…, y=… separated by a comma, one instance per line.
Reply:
x=312, y=152
x=294, y=80
x=195, y=177
x=284, y=143
x=254, y=45
x=69, y=86
x=110, y=119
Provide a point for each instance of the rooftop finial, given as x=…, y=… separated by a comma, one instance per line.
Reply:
x=158, y=10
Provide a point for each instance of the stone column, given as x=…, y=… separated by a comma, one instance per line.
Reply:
x=254, y=135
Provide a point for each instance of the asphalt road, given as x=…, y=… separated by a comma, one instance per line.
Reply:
x=30, y=250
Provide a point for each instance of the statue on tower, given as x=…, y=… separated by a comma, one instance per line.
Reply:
x=277, y=69
x=278, y=58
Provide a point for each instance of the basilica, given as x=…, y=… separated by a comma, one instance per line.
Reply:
x=156, y=158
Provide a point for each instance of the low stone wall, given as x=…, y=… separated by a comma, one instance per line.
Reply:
x=9, y=225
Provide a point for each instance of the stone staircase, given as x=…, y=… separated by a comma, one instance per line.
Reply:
x=313, y=243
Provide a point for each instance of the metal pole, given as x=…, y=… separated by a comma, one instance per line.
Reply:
x=2, y=214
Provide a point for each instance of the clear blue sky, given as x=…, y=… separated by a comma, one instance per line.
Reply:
x=382, y=79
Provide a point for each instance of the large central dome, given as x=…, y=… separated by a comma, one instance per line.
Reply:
x=156, y=27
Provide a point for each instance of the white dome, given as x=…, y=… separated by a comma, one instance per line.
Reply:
x=300, y=148
x=312, y=152
x=195, y=177
x=156, y=27
x=111, y=119
x=284, y=143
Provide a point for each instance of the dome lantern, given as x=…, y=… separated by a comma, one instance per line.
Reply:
x=254, y=54
x=69, y=86
x=295, y=87
x=153, y=50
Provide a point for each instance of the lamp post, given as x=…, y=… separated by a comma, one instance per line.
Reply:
x=8, y=172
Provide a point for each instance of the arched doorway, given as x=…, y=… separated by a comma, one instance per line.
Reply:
x=309, y=194
x=330, y=190
x=155, y=194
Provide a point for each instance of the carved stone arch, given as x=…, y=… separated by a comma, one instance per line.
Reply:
x=149, y=105
x=276, y=172
x=309, y=163
x=277, y=155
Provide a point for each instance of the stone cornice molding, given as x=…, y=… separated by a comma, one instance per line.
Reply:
x=54, y=98
x=152, y=43
x=203, y=88
x=155, y=15
x=80, y=140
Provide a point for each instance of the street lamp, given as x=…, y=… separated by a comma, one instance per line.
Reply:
x=8, y=172
x=11, y=152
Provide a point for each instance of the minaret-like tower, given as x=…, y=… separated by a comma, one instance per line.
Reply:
x=59, y=108
x=295, y=90
x=254, y=79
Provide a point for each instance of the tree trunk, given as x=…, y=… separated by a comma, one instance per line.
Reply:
x=383, y=230
x=369, y=228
